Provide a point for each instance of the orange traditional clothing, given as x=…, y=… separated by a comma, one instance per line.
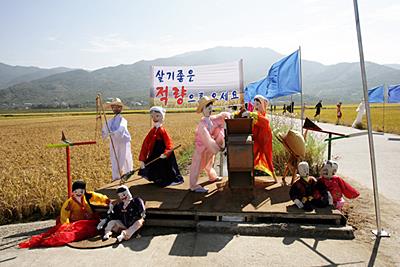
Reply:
x=73, y=211
x=77, y=222
x=262, y=136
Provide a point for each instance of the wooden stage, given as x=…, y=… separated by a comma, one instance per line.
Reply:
x=177, y=206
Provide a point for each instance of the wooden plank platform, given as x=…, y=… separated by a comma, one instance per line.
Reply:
x=267, y=202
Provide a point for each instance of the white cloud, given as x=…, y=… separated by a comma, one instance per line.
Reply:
x=108, y=44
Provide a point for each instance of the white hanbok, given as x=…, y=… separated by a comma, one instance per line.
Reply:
x=122, y=144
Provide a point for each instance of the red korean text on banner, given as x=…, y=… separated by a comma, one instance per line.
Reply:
x=163, y=92
x=179, y=97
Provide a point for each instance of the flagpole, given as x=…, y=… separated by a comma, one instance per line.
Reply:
x=291, y=117
x=379, y=232
x=383, y=123
x=301, y=91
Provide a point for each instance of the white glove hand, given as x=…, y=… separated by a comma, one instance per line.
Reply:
x=101, y=224
x=245, y=114
x=110, y=208
x=298, y=203
x=330, y=198
x=163, y=156
x=142, y=165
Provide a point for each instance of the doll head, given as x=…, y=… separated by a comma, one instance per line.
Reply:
x=260, y=103
x=329, y=169
x=116, y=105
x=157, y=114
x=78, y=189
x=205, y=106
x=303, y=169
x=124, y=194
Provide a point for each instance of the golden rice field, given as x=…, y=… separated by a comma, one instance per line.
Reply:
x=33, y=177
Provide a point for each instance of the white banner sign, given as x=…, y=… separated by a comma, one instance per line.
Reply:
x=183, y=86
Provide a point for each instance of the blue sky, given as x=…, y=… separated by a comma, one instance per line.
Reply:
x=94, y=34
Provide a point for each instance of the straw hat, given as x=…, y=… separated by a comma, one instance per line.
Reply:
x=115, y=102
x=204, y=101
x=294, y=143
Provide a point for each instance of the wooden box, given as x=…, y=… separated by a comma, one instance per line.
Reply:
x=239, y=142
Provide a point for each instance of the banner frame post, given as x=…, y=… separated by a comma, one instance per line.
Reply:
x=241, y=81
x=379, y=232
x=301, y=91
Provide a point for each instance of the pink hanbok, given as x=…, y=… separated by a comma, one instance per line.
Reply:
x=209, y=139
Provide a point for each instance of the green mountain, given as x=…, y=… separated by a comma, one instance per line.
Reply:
x=394, y=66
x=11, y=75
x=333, y=83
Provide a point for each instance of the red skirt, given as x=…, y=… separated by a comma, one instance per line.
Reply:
x=62, y=234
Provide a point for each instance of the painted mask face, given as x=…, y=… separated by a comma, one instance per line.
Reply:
x=157, y=117
x=259, y=106
x=207, y=110
x=304, y=170
x=116, y=109
x=329, y=169
x=78, y=193
x=123, y=196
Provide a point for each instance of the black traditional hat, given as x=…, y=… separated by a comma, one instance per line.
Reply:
x=78, y=185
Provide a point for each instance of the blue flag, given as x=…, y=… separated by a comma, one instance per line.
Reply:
x=394, y=94
x=284, y=77
x=255, y=88
x=375, y=95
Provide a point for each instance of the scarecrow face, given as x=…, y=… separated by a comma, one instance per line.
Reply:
x=116, y=109
x=303, y=169
x=156, y=116
x=78, y=193
x=258, y=105
x=329, y=169
x=123, y=196
x=208, y=110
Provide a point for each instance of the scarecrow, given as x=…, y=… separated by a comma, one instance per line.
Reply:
x=126, y=217
x=78, y=220
x=336, y=185
x=158, y=144
x=306, y=193
x=209, y=139
x=120, y=141
x=262, y=136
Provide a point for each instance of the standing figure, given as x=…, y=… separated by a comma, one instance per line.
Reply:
x=77, y=221
x=158, y=143
x=305, y=192
x=126, y=217
x=360, y=113
x=262, y=136
x=209, y=139
x=336, y=185
x=318, y=107
x=120, y=143
x=338, y=112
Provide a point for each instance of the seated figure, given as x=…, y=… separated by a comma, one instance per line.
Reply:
x=158, y=143
x=126, y=217
x=77, y=221
x=336, y=185
x=306, y=193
